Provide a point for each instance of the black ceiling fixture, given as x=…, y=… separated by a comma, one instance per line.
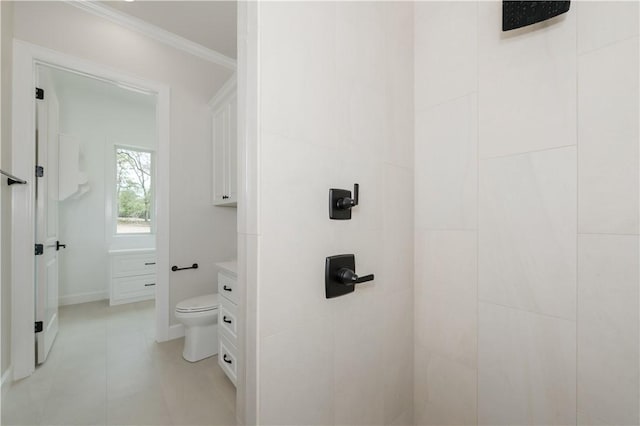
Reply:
x=518, y=14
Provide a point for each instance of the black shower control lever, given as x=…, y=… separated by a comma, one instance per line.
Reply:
x=349, y=277
x=348, y=202
x=340, y=275
x=341, y=202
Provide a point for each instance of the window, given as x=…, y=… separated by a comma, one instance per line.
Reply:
x=134, y=191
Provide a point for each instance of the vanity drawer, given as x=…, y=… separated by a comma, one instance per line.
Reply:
x=133, y=264
x=228, y=320
x=227, y=287
x=227, y=359
x=139, y=287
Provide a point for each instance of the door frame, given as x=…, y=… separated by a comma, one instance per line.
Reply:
x=25, y=58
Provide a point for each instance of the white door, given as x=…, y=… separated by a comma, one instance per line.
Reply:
x=46, y=216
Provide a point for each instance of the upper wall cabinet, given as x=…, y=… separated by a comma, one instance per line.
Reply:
x=224, y=107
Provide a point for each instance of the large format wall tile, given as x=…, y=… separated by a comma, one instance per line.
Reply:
x=290, y=228
x=446, y=51
x=608, y=320
x=605, y=22
x=527, y=232
x=398, y=361
x=527, y=84
x=296, y=380
x=446, y=294
x=446, y=165
x=608, y=139
x=526, y=368
x=298, y=100
x=358, y=325
x=335, y=109
x=399, y=63
x=396, y=273
x=445, y=390
x=445, y=327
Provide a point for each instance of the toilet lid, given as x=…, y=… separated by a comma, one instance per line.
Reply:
x=208, y=302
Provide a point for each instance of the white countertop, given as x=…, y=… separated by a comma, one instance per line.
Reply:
x=231, y=266
x=132, y=250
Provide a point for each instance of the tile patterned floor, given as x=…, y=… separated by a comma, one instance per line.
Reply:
x=106, y=369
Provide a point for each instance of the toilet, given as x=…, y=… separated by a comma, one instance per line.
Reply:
x=199, y=315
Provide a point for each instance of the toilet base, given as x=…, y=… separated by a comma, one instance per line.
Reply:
x=200, y=342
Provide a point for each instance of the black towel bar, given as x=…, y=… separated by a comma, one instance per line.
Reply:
x=175, y=268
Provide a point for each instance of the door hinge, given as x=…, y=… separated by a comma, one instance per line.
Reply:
x=38, y=327
x=39, y=171
x=39, y=249
x=39, y=93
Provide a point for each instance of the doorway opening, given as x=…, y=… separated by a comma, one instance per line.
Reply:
x=117, y=375
x=95, y=204
x=85, y=115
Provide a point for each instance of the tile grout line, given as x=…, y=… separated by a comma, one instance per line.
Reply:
x=477, y=272
x=604, y=46
x=446, y=101
x=609, y=234
x=549, y=316
x=535, y=151
x=577, y=130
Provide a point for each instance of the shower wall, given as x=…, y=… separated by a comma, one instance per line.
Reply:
x=526, y=214
x=336, y=108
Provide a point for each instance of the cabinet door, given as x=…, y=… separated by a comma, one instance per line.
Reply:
x=220, y=132
x=232, y=150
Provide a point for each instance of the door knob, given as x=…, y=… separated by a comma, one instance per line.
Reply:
x=58, y=245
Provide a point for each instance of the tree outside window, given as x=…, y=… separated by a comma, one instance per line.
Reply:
x=133, y=188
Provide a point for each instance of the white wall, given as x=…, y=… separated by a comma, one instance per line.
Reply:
x=335, y=109
x=199, y=232
x=526, y=216
x=6, y=53
x=98, y=115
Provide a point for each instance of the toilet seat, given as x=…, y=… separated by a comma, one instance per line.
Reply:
x=207, y=302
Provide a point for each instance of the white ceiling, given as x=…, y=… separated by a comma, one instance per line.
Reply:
x=209, y=23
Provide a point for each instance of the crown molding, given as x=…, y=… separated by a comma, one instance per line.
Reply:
x=154, y=32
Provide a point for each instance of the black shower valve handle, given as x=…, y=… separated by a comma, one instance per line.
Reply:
x=347, y=202
x=349, y=277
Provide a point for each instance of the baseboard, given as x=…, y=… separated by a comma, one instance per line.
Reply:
x=176, y=331
x=74, y=299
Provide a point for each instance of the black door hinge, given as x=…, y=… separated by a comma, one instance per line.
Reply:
x=39, y=171
x=39, y=93
x=38, y=327
x=39, y=249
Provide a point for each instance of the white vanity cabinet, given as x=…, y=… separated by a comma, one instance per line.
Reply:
x=224, y=109
x=132, y=276
x=228, y=320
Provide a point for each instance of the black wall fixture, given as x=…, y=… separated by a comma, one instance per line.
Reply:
x=340, y=202
x=340, y=275
x=517, y=14
x=175, y=268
